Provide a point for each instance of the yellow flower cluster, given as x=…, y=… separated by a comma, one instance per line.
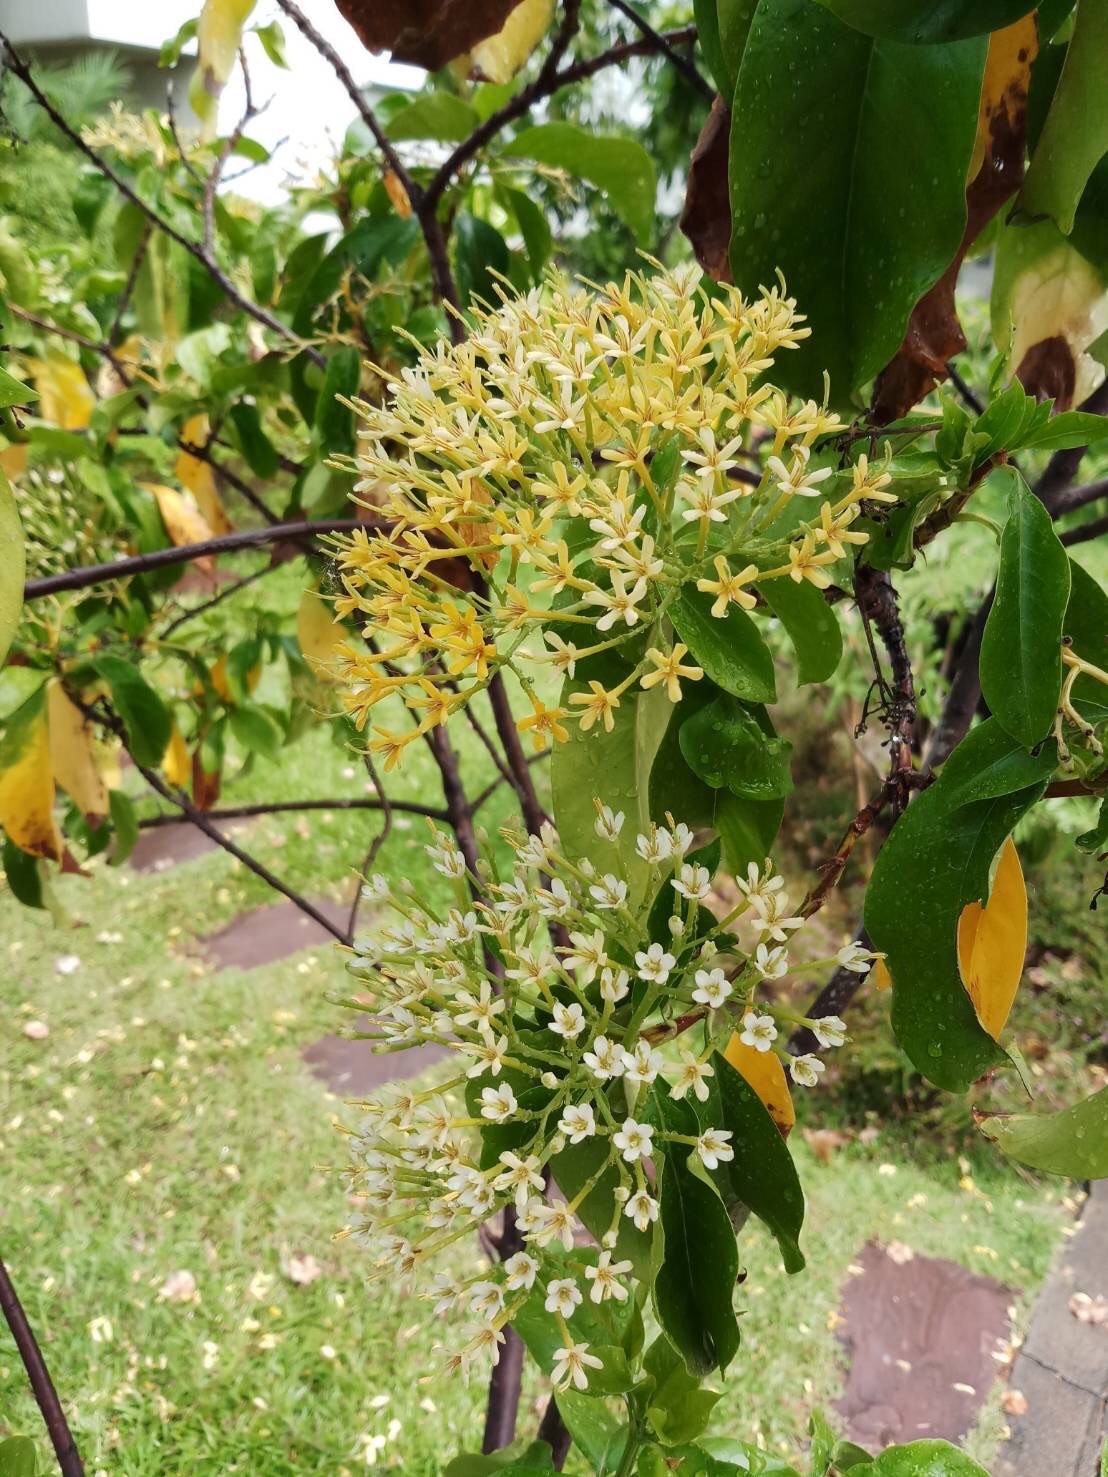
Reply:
x=561, y=476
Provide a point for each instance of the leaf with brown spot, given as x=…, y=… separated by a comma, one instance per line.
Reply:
x=426, y=33
x=27, y=780
x=763, y=1071
x=706, y=218
x=934, y=335
x=72, y=755
x=992, y=942
x=184, y=523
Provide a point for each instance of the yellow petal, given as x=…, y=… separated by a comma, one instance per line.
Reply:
x=882, y=979
x=765, y=1074
x=73, y=756
x=176, y=761
x=992, y=942
x=499, y=57
x=27, y=780
x=65, y=398
x=317, y=631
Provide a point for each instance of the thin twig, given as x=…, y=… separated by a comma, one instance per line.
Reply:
x=217, y=599
x=195, y=249
x=967, y=394
x=129, y=286
x=1073, y=498
x=1085, y=532
x=282, y=807
x=659, y=42
x=46, y=1396
x=98, y=574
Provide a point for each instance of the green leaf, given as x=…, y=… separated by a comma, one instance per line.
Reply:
x=572, y=1169
x=1072, y=1141
x=618, y=166
x=857, y=194
x=937, y=859
x=762, y=1176
x=811, y=624
x=707, y=34
x=363, y=250
x=257, y=449
x=256, y=731
x=437, y=115
x=170, y=53
x=735, y=19
x=1075, y=135
x=1096, y=839
x=1065, y=431
x=922, y=1459
x=144, y=715
x=24, y=874
x=725, y=746
x=695, y=1285
x=534, y=227
x=520, y=1459
x=747, y=828
x=15, y=392
x=18, y=1457
x=594, y=1429
x=1021, y=653
x=926, y=22
x=1086, y=625
x=612, y=767
x=479, y=252
x=730, y=650
x=12, y=567
x=679, y=1407
x=334, y=421
x=272, y=38
x=124, y=826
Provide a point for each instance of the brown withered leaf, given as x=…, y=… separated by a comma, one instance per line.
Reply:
x=1049, y=371
x=706, y=218
x=934, y=334
x=426, y=33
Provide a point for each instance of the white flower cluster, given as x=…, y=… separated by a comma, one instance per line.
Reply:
x=569, y=1025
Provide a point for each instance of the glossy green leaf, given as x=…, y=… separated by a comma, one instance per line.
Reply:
x=1075, y=135
x=747, y=828
x=730, y=650
x=538, y=239
x=436, y=115
x=519, y=1459
x=480, y=251
x=144, y=715
x=255, y=731
x=613, y=767
x=1086, y=625
x=937, y=859
x=12, y=566
x=18, y=1457
x=735, y=18
x=24, y=875
x=695, y=1285
x=619, y=166
x=572, y=1169
x=678, y=1407
x=334, y=421
x=762, y=1176
x=600, y=1437
x=1073, y=1141
x=363, y=250
x=1021, y=653
x=1063, y=432
x=1096, y=838
x=922, y=1459
x=125, y=828
x=927, y=22
x=875, y=205
x=706, y=16
x=256, y=447
x=724, y=745
x=811, y=625
x=272, y=37
x=15, y=392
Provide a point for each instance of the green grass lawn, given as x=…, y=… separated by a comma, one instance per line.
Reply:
x=167, y=1124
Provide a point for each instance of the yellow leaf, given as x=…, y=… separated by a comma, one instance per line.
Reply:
x=218, y=674
x=199, y=478
x=27, y=780
x=183, y=521
x=765, y=1074
x=65, y=397
x=73, y=756
x=499, y=57
x=218, y=37
x=176, y=762
x=1004, y=87
x=992, y=942
x=317, y=630
x=398, y=195
x=882, y=979
x=13, y=459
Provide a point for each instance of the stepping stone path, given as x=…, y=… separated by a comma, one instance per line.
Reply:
x=161, y=847
x=920, y=1333
x=352, y=1069
x=271, y=933
x=1058, y=1388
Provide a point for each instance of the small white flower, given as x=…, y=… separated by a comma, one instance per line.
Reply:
x=577, y=1122
x=643, y=1064
x=856, y=958
x=555, y=901
x=760, y=881
x=521, y=1270
x=614, y=985
x=520, y=1175
x=605, y=1059
x=771, y=918
x=655, y=848
x=759, y=1031
x=498, y=1103
x=642, y=1209
x=714, y=1147
x=485, y=1300
x=654, y=964
x=587, y=955
x=446, y=858
x=692, y=881
x=562, y=1296
x=693, y=1075
x=570, y=1366
x=634, y=1140
x=805, y=1070
x=712, y=988
x=604, y=1279
x=609, y=892
x=568, y=1022
x=771, y=964
x=829, y=1030
x=609, y=823
x=681, y=838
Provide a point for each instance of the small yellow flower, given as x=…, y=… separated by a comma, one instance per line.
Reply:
x=832, y=529
x=670, y=671
x=804, y=563
x=869, y=484
x=598, y=702
x=729, y=587
x=542, y=723
x=391, y=746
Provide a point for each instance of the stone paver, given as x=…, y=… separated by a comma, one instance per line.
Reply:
x=269, y=934
x=921, y=1333
x=353, y=1069
x=1062, y=1368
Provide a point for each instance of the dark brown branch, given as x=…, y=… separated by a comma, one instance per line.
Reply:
x=98, y=574
x=194, y=248
x=833, y=999
x=660, y=43
x=46, y=1396
x=1072, y=498
x=520, y=772
x=1063, y=465
x=1085, y=532
x=502, y=1406
x=217, y=599
x=964, y=389
x=280, y=807
x=552, y=1430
